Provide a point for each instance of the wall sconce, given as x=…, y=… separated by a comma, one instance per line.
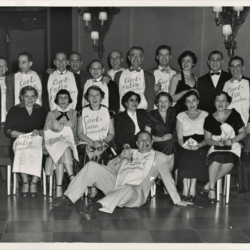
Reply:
x=98, y=21
x=232, y=19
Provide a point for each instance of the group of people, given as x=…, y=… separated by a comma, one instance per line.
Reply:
x=131, y=127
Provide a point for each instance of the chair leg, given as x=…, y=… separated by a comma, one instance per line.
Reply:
x=86, y=192
x=14, y=183
x=176, y=177
x=228, y=176
x=188, y=183
x=218, y=189
x=154, y=189
x=50, y=184
x=8, y=179
x=44, y=183
x=225, y=186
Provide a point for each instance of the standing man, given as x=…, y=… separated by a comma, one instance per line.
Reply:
x=125, y=184
x=61, y=78
x=163, y=73
x=212, y=82
x=238, y=88
x=111, y=98
x=137, y=80
x=115, y=59
x=23, y=78
x=3, y=84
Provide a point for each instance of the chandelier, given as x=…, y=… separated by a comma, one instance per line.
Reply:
x=232, y=19
x=98, y=21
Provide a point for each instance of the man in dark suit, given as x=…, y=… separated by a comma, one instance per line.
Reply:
x=137, y=80
x=212, y=82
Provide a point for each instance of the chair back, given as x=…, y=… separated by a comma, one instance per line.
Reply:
x=4, y=140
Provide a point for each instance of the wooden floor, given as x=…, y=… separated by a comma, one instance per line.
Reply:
x=158, y=221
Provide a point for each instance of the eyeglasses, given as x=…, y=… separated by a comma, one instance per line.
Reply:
x=138, y=56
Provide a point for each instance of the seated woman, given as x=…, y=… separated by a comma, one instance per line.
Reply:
x=161, y=124
x=183, y=82
x=223, y=130
x=26, y=117
x=95, y=129
x=191, y=156
x=56, y=120
x=129, y=122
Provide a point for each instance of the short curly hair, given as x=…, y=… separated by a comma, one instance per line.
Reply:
x=63, y=92
x=157, y=98
x=26, y=89
x=229, y=98
x=94, y=87
x=187, y=53
x=126, y=97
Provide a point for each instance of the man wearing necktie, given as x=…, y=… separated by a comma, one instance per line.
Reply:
x=115, y=59
x=111, y=98
x=163, y=73
x=61, y=78
x=238, y=88
x=137, y=80
x=212, y=82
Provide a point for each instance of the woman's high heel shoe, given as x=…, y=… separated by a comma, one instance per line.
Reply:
x=25, y=194
x=58, y=197
x=33, y=194
x=191, y=198
x=92, y=198
x=203, y=192
x=184, y=197
x=211, y=200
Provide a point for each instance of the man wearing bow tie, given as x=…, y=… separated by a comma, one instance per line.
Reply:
x=111, y=98
x=163, y=73
x=137, y=80
x=212, y=82
x=61, y=78
x=238, y=88
x=25, y=77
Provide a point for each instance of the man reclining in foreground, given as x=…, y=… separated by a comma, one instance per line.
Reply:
x=124, y=184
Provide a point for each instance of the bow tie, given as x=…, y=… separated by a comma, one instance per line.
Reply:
x=62, y=115
x=215, y=73
x=165, y=70
x=238, y=79
x=95, y=81
x=134, y=70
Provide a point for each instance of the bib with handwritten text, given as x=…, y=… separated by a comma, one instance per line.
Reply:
x=164, y=79
x=3, y=99
x=28, y=154
x=134, y=173
x=30, y=79
x=64, y=81
x=133, y=81
x=95, y=122
x=102, y=86
x=239, y=91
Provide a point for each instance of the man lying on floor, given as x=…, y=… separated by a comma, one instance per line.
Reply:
x=124, y=184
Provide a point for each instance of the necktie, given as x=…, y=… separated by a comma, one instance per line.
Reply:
x=215, y=73
x=61, y=73
x=134, y=69
x=62, y=115
x=165, y=70
x=95, y=80
x=238, y=79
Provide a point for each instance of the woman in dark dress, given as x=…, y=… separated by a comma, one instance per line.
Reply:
x=192, y=156
x=223, y=130
x=183, y=82
x=26, y=117
x=129, y=122
x=161, y=124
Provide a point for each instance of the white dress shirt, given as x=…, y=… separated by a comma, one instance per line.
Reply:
x=215, y=78
x=133, y=116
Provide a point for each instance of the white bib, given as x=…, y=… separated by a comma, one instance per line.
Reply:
x=164, y=79
x=64, y=81
x=102, y=86
x=28, y=154
x=57, y=143
x=3, y=100
x=113, y=72
x=227, y=133
x=239, y=91
x=134, y=173
x=30, y=79
x=133, y=81
x=95, y=122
